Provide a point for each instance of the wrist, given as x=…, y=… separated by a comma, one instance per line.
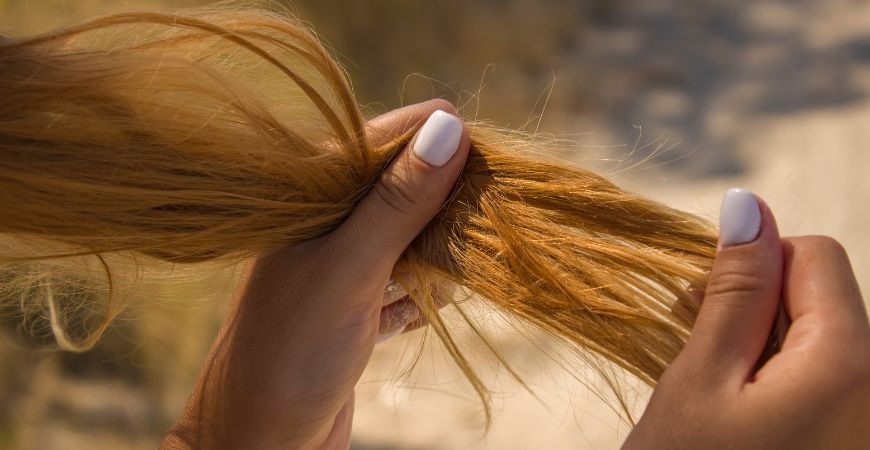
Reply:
x=207, y=423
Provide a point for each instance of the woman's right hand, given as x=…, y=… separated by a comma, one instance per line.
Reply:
x=814, y=393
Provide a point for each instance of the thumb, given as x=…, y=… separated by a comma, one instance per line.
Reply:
x=743, y=293
x=409, y=193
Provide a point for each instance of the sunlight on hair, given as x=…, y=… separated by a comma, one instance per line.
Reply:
x=141, y=146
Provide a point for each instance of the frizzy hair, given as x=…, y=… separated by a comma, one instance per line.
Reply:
x=215, y=135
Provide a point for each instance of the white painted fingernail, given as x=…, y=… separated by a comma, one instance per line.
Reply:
x=739, y=218
x=394, y=333
x=438, y=139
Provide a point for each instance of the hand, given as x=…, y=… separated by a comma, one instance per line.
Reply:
x=282, y=371
x=814, y=393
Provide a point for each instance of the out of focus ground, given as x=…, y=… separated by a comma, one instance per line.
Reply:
x=769, y=95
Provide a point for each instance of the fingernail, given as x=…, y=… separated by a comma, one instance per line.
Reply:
x=739, y=218
x=438, y=139
x=394, y=333
x=393, y=293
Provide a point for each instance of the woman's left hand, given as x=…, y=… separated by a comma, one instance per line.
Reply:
x=282, y=371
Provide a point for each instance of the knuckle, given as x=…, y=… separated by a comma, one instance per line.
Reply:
x=735, y=280
x=397, y=193
x=825, y=245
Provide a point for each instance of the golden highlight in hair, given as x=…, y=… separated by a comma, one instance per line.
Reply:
x=217, y=135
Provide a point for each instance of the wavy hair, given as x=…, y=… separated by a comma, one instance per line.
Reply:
x=215, y=135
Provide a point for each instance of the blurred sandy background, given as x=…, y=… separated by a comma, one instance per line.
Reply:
x=769, y=95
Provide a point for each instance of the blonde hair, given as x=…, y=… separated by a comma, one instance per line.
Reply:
x=216, y=135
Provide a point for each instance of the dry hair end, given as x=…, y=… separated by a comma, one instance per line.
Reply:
x=214, y=135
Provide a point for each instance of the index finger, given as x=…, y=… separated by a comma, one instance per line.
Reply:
x=819, y=280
